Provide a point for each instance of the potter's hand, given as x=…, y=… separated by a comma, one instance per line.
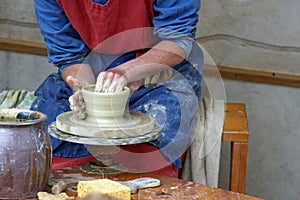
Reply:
x=109, y=81
x=77, y=104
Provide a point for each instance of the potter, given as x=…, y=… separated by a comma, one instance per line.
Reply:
x=157, y=36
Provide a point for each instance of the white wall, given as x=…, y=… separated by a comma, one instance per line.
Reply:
x=17, y=20
x=260, y=35
x=252, y=34
x=3, y=71
x=23, y=71
x=273, y=112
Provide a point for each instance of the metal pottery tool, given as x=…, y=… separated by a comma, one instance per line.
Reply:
x=140, y=183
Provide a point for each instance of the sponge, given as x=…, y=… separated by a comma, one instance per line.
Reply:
x=105, y=186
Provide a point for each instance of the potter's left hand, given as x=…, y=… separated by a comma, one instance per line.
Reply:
x=77, y=104
x=109, y=81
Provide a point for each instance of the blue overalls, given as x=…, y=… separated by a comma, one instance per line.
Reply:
x=174, y=104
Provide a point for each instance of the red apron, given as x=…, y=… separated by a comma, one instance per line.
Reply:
x=129, y=22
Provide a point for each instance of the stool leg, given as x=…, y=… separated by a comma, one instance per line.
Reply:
x=238, y=166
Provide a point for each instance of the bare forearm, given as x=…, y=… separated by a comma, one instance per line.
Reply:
x=164, y=55
x=82, y=72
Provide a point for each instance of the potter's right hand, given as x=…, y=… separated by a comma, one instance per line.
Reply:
x=109, y=81
x=77, y=104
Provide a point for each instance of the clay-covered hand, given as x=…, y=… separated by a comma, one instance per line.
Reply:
x=109, y=81
x=77, y=104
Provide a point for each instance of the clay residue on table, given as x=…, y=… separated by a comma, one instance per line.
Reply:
x=72, y=177
x=171, y=188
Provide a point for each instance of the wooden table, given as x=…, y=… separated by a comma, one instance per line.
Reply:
x=171, y=188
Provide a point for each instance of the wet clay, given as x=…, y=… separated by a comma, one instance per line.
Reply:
x=107, y=116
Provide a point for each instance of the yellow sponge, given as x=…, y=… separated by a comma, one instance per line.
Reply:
x=104, y=186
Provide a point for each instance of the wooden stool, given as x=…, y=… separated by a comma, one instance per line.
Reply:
x=235, y=131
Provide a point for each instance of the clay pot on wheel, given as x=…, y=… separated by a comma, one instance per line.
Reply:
x=25, y=153
x=105, y=107
x=108, y=116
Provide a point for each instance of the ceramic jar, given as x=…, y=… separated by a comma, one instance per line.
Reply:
x=25, y=153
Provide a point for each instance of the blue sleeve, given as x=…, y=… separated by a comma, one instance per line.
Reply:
x=64, y=45
x=176, y=20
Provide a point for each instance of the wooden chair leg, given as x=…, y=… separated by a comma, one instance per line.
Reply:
x=238, y=166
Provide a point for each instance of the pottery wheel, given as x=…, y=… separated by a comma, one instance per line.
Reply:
x=132, y=125
x=146, y=137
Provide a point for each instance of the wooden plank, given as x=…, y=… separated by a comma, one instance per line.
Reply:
x=258, y=76
x=235, y=137
x=292, y=80
x=22, y=46
x=236, y=73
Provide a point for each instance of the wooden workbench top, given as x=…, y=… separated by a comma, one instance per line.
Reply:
x=171, y=188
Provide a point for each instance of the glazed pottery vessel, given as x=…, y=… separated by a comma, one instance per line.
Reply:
x=25, y=153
